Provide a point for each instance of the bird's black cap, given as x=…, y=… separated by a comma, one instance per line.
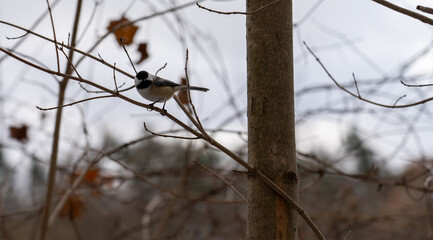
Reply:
x=142, y=75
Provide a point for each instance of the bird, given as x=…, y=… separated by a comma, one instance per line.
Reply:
x=157, y=89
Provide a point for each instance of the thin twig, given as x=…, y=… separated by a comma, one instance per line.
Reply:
x=72, y=48
x=188, y=89
x=347, y=235
x=69, y=61
x=167, y=136
x=425, y=9
x=187, y=113
x=222, y=178
x=100, y=57
x=361, y=98
x=405, y=11
x=114, y=77
x=416, y=85
x=91, y=83
x=120, y=86
x=73, y=103
x=198, y=122
x=367, y=178
x=14, y=38
x=54, y=35
x=72, y=65
x=34, y=25
x=125, y=24
x=356, y=85
x=165, y=65
x=399, y=99
x=243, y=13
x=127, y=54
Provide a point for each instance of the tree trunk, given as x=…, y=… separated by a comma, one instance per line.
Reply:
x=271, y=119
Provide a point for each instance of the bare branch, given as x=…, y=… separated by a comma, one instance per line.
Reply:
x=14, y=38
x=416, y=85
x=127, y=54
x=243, y=13
x=396, y=101
x=356, y=85
x=405, y=11
x=114, y=77
x=327, y=168
x=359, y=97
x=72, y=48
x=425, y=9
x=167, y=136
x=119, y=26
x=198, y=125
x=73, y=103
x=54, y=35
x=222, y=178
x=165, y=65
x=69, y=61
x=35, y=24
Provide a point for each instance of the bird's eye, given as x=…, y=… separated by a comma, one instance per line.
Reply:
x=142, y=75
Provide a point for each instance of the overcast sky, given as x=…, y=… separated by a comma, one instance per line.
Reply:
x=358, y=36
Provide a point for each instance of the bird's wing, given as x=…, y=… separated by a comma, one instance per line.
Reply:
x=164, y=82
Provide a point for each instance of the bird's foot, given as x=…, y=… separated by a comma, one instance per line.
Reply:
x=151, y=107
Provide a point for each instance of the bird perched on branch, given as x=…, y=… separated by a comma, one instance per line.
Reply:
x=156, y=89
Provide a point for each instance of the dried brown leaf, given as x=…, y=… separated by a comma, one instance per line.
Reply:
x=125, y=33
x=142, y=49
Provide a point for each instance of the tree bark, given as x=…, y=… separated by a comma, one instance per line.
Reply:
x=271, y=119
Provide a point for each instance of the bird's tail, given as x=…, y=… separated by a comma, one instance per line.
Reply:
x=183, y=87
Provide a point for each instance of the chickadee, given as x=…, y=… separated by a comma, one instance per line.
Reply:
x=156, y=89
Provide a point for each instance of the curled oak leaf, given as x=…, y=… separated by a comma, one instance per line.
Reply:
x=92, y=175
x=125, y=33
x=183, y=95
x=73, y=207
x=142, y=49
x=91, y=178
x=19, y=133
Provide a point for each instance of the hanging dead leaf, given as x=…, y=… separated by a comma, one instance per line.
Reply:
x=183, y=95
x=125, y=33
x=91, y=178
x=73, y=207
x=142, y=49
x=94, y=179
x=91, y=175
x=19, y=133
